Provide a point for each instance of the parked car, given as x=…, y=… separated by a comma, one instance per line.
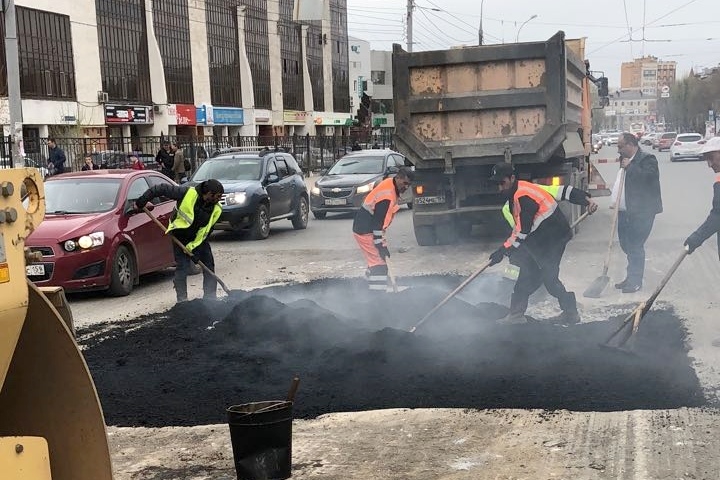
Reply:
x=92, y=240
x=666, y=140
x=687, y=146
x=260, y=187
x=346, y=184
x=612, y=138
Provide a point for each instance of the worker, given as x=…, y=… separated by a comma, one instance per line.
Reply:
x=537, y=242
x=372, y=221
x=196, y=213
x=711, y=225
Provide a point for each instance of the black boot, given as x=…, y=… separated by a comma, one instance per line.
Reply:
x=516, y=315
x=569, y=315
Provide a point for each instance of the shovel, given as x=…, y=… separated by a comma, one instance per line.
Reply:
x=596, y=288
x=636, y=316
x=472, y=277
x=187, y=252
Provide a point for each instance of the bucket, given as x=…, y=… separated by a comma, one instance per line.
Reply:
x=261, y=436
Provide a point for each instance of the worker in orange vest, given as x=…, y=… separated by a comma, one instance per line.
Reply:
x=373, y=219
x=537, y=242
x=711, y=154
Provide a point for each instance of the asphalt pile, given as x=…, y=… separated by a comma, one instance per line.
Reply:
x=352, y=351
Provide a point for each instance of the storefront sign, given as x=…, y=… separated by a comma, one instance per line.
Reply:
x=181, y=114
x=204, y=115
x=128, y=114
x=262, y=116
x=228, y=116
x=336, y=119
x=295, y=116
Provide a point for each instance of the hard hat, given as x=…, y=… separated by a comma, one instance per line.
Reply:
x=712, y=145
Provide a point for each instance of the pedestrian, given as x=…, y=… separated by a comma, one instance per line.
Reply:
x=711, y=225
x=372, y=221
x=356, y=147
x=640, y=201
x=537, y=242
x=135, y=163
x=56, y=157
x=89, y=164
x=166, y=160
x=196, y=213
x=179, y=164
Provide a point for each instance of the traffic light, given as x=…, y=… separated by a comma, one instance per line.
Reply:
x=602, y=84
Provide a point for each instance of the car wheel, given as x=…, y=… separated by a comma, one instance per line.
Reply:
x=122, y=276
x=260, y=229
x=319, y=215
x=300, y=220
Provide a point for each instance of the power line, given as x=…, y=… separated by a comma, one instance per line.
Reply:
x=627, y=22
x=452, y=39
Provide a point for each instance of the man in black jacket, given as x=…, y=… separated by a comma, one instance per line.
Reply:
x=56, y=158
x=639, y=203
x=711, y=225
x=165, y=158
x=196, y=213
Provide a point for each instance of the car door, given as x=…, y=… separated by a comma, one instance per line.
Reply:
x=144, y=235
x=273, y=187
x=164, y=210
x=280, y=192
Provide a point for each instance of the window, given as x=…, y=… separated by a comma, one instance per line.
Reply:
x=224, y=62
x=258, y=50
x=377, y=77
x=291, y=54
x=315, y=64
x=137, y=188
x=45, y=52
x=340, y=64
x=272, y=169
x=153, y=180
x=123, y=50
x=282, y=168
x=172, y=30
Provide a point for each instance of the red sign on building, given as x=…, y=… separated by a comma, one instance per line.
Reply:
x=185, y=114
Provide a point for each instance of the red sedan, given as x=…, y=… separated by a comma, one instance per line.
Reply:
x=91, y=240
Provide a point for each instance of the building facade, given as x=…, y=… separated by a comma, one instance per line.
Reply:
x=647, y=74
x=135, y=68
x=630, y=107
x=383, y=116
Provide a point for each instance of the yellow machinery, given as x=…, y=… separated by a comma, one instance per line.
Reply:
x=51, y=423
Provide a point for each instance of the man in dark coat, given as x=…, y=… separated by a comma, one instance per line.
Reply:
x=165, y=158
x=639, y=203
x=56, y=157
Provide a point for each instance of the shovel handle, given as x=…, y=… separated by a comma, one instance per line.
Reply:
x=293, y=389
x=186, y=251
x=580, y=219
x=451, y=295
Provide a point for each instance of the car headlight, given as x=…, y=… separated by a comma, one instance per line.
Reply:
x=91, y=241
x=236, y=198
x=315, y=191
x=366, y=188
x=70, y=246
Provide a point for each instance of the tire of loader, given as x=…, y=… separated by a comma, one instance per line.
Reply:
x=48, y=392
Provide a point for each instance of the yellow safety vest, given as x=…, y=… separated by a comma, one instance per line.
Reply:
x=185, y=215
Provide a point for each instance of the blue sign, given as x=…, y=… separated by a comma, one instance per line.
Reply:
x=228, y=116
x=201, y=115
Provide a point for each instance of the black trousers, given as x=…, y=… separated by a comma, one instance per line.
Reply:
x=536, y=269
x=633, y=231
x=182, y=266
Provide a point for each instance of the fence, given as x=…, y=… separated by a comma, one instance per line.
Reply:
x=311, y=152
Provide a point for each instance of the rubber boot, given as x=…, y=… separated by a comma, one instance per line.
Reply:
x=516, y=316
x=569, y=315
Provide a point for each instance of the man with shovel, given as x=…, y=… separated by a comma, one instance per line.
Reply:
x=371, y=222
x=711, y=225
x=196, y=213
x=537, y=243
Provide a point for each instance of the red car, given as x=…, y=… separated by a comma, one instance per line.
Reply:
x=91, y=240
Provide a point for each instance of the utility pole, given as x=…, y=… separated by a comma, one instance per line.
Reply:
x=410, y=8
x=480, y=30
x=13, y=80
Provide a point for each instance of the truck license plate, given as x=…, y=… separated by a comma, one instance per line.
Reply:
x=35, y=270
x=335, y=201
x=429, y=200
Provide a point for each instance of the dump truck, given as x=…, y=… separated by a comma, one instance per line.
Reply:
x=51, y=422
x=460, y=111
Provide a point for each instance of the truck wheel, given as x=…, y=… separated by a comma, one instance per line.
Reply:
x=260, y=229
x=122, y=276
x=300, y=220
x=425, y=236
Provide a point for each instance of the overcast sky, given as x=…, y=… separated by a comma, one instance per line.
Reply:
x=686, y=31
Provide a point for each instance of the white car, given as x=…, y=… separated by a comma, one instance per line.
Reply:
x=687, y=146
x=647, y=139
x=612, y=139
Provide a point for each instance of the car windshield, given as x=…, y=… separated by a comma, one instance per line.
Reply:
x=689, y=138
x=357, y=165
x=248, y=168
x=81, y=195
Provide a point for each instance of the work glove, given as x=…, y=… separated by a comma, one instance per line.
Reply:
x=383, y=251
x=692, y=243
x=497, y=256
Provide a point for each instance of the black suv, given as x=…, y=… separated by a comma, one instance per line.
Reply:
x=260, y=187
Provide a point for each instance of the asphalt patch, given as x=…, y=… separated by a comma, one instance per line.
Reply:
x=352, y=351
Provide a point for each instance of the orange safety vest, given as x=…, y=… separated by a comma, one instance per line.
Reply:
x=546, y=204
x=385, y=190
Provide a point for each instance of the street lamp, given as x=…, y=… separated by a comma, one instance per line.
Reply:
x=517, y=38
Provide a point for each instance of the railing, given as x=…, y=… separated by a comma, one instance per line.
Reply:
x=312, y=152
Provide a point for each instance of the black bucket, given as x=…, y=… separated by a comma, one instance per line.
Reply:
x=261, y=440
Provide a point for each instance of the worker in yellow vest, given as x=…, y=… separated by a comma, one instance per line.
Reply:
x=537, y=242
x=711, y=225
